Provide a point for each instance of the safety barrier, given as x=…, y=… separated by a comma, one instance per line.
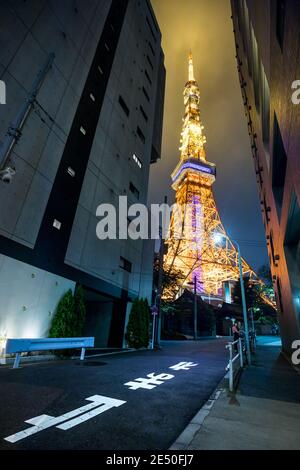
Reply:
x=19, y=345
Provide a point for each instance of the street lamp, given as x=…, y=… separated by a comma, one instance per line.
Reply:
x=217, y=239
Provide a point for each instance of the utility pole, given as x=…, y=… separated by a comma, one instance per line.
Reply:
x=158, y=323
x=195, y=307
x=218, y=237
x=244, y=305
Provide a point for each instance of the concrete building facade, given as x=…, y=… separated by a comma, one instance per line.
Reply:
x=88, y=78
x=268, y=60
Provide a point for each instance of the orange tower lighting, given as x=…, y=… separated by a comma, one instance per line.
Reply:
x=192, y=246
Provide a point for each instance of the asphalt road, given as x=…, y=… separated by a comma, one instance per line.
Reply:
x=150, y=419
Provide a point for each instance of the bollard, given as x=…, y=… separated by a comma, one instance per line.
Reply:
x=241, y=353
x=82, y=354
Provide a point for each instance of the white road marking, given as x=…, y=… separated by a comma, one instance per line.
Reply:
x=45, y=421
x=149, y=383
x=183, y=366
x=110, y=403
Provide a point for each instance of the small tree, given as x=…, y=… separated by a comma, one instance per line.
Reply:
x=137, y=332
x=80, y=311
x=251, y=293
x=69, y=318
x=63, y=321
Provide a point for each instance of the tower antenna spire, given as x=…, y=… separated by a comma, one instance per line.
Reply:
x=191, y=68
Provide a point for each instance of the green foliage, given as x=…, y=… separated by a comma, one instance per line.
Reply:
x=167, y=308
x=137, y=332
x=69, y=318
x=255, y=294
x=62, y=323
x=80, y=311
x=251, y=293
x=264, y=273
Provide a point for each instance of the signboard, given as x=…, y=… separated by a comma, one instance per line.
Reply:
x=154, y=310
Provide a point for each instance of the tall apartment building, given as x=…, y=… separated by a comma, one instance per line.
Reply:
x=268, y=59
x=81, y=125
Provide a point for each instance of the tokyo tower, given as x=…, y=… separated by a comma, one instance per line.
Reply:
x=195, y=223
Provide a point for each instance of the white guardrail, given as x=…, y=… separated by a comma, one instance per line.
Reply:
x=234, y=360
x=17, y=346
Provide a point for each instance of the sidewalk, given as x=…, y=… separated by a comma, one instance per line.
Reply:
x=264, y=413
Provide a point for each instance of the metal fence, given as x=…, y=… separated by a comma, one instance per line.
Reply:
x=235, y=361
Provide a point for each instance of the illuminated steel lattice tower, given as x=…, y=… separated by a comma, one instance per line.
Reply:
x=192, y=249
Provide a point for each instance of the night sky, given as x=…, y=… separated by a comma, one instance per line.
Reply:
x=205, y=27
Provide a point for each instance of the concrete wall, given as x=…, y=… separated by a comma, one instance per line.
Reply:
x=30, y=32
x=29, y=297
x=111, y=167
x=281, y=69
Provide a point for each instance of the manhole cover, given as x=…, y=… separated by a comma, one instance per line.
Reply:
x=91, y=363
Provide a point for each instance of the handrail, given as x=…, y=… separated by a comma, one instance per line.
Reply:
x=232, y=360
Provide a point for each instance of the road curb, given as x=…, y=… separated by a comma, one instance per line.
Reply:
x=186, y=437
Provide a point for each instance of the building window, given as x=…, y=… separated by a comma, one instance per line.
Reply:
x=125, y=264
x=149, y=62
x=279, y=163
x=134, y=190
x=266, y=209
x=148, y=78
x=279, y=295
x=140, y=134
x=238, y=9
x=272, y=247
x=146, y=94
x=151, y=48
x=292, y=249
x=255, y=68
x=57, y=224
x=151, y=14
x=150, y=27
x=143, y=113
x=280, y=20
x=137, y=160
x=265, y=108
x=247, y=37
x=82, y=130
x=123, y=105
x=71, y=172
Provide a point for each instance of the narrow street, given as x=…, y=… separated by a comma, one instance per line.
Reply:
x=127, y=418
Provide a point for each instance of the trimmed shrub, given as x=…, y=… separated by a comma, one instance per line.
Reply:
x=69, y=318
x=137, y=332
